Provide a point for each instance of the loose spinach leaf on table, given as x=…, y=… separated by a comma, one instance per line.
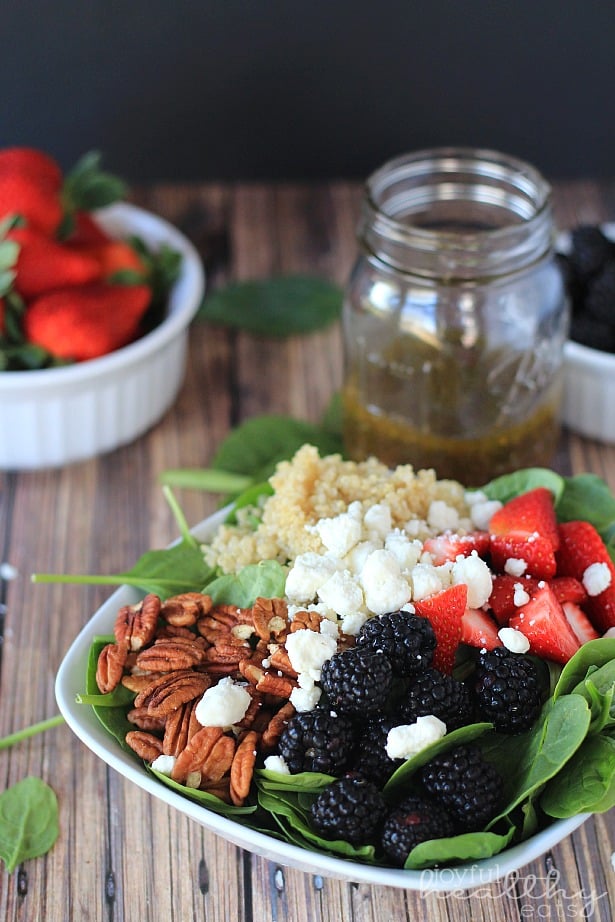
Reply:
x=28, y=821
x=275, y=307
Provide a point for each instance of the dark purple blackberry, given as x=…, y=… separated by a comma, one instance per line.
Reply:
x=507, y=690
x=405, y=639
x=589, y=250
x=372, y=760
x=415, y=820
x=469, y=787
x=441, y=695
x=317, y=742
x=357, y=681
x=595, y=334
x=351, y=809
x=600, y=295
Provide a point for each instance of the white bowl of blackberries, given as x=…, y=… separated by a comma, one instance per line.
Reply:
x=587, y=257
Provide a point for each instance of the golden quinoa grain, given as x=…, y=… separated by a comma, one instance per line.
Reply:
x=309, y=488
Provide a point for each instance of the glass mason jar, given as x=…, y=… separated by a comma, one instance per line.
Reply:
x=455, y=317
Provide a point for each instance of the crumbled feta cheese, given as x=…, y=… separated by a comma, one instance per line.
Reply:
x=520, y=596
x=515, y=566
x=416, y=528
x=352, y=624
x=597, y=578
x=474, y=572
x=383, y=584
x=305, y=699
x=339, y=534
x=377, y=521
x=473, y=497
x=406, y=740
x=164, y=764
x=277, y=764
x=341, y=593
x=407, y=552
x=442, y=517
x=308, y=651
x=355, y=560
x=223, y=704
x=308, y=573
x=425, y=581
x=482, y=513
x=514, y=640
x=329, y=628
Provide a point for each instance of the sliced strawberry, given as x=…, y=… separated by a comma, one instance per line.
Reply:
x=579, y=622
x=448, y=546
x=536, y=552
x=568, y=589
x=580, y=547
x=502, y=598
x=444, y=611
x=531, y=513
x=478, y=629
x=543, y=622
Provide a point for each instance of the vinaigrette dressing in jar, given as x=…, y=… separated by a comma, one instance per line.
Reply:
x=455, y=317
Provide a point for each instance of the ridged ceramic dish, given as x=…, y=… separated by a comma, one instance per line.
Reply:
x=82, y=720
x=55, y=416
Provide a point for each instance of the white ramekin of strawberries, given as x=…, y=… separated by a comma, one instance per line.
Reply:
x=96, y=298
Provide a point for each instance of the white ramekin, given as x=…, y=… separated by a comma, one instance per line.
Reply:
x=589, y=392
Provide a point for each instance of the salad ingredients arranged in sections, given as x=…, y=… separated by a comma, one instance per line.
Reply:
x=381, y=665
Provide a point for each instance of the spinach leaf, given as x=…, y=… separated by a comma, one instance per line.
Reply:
x=593, y=653
x=588, y=497
x=206, y=800
x=265, y=580
x=586, y=784
x=113, y=719
x=275, y=307
x=209, y=479
x=598, y=689
x=509, y=485
x=307, y=782
x=469, y=846
x=249, y=497
x=28, y=821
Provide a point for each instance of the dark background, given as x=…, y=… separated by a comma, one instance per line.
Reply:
x=283, y=89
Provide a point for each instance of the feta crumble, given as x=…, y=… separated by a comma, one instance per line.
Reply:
x=223, y=705
x=475, y=573
x=277, y=764
x=514, y=640
x=406, y=740
x=515, y=566
x=164, y=765
x=597, y=578
x=308, y=651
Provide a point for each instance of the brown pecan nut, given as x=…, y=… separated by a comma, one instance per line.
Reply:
x=110, y=666
x=227, y=652
x=146, y=745
x=280, y=686
x=142, y=719
x=279, y=660
x=218, y=761
x=169, y=692
x=306, y=619
x=270, y=619
x=179, y=728
x=185, y=609
x=171, y=653
x=141, y=680
x=272, y=733
x=196, y=752
x=242, y=768
x=135, y=625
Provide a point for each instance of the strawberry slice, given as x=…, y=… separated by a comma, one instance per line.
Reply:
x=449, y=546
x=545, y=625
x=478, y=629
x=579, y=622
x=580, y=547
x=536, y=552
x=444, y=611
x=568, y=589
x=531, y=513
x=502, y=598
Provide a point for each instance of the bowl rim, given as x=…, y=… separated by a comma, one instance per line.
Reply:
x=81, y=719
x=191, y=283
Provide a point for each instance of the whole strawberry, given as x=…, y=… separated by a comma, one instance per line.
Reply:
x=44, y=264
x=30, y=186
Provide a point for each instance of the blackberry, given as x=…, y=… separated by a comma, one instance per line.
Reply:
x=507, y=689
x=407, y=640
x=432, y=692
x=372, y=760
x=317, y=742
x=350, y=809
x=594, y=334
x=589, y=251
x=415, y=820
x=357, y=681
x=600, y=295
x=469, y=787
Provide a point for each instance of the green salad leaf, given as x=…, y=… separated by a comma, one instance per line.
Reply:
x=588, y=784
x=28, y=821
x=265, y=579
x=469, y=846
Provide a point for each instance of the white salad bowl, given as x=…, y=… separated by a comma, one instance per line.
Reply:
x=70, y=682
x=51, y=417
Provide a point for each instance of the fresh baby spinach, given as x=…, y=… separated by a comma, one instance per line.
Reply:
x=508, y=485
x=469, y=846
x=588, y=783
x=593, y=654
x=28, y=821
x=266, y=579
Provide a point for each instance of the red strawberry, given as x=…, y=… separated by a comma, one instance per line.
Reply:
x=580, y=547
x=36, y=200
x=444, y=611
x=87, y=321
x=579, y=622
x=87, y=231
x=115, y=256
x=568, y=589
x=531, y=513
x=44, y=264
x=36, y=164
x=536, y=551
x=543, y=622
x=479, y=630
x=448, y=546
x=502, y=598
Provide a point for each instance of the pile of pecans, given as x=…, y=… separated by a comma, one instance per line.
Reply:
x=170, y=652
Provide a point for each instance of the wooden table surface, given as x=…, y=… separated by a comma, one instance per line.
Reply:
x=121, y=855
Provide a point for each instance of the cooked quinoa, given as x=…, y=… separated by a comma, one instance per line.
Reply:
x=309, y=488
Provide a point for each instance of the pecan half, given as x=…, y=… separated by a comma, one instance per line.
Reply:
x=272, y=733
x=185, y=609
x=110, y=666
x=147, y=746
x=142, y=719
x=279, y=660
x=137, y=683
x=270, y=619
x=242, y=768
x=171, y=653
x=169, y=692
x=135, y=625
x=196, y=752
x=218, y=761
x=280, y=686
x=179, y=728
x=306, y=619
